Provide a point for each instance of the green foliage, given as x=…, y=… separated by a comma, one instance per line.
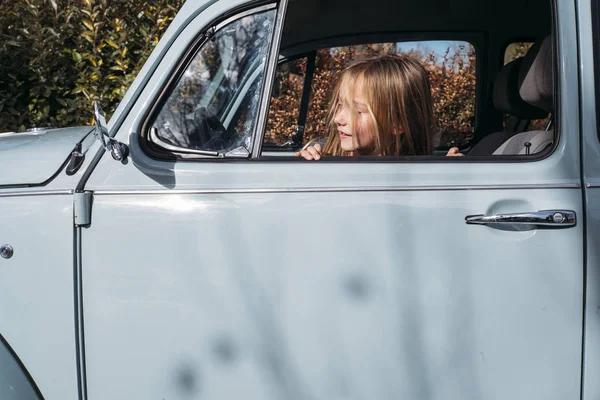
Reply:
x=57, y=56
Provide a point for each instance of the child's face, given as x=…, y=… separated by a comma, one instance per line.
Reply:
x=354, y=122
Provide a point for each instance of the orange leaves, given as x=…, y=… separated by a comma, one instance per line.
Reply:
x=453, y=86
x=283, y=111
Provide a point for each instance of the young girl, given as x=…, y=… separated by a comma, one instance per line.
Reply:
x=380, y=106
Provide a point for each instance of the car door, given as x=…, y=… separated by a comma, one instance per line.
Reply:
x=270, y=278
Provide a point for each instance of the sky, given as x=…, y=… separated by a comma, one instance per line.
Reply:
x=439, y=47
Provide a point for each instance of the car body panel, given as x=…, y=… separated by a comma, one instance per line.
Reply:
x=34, y=157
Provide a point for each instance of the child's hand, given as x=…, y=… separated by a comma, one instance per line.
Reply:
x=454, y=152
x=311, y=152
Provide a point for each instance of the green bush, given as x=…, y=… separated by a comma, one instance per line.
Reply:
x=58, y=56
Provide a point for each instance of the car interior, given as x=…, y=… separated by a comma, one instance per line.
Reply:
x=509, y=94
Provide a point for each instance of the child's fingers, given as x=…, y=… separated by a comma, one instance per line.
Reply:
x=310, y=142
x=306, y=155
x=454, y=152
x=317, y=147
x=311, y=153
x=314, y=152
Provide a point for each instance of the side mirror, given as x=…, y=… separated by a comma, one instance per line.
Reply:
x=101, y=127
x=118, y=151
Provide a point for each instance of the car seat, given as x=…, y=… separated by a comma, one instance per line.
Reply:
x=536, y=88
x=508, y=100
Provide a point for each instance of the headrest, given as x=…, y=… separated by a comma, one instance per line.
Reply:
x=535, y=78
x=506, y=93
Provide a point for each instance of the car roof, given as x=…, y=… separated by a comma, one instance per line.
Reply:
x=319, y=21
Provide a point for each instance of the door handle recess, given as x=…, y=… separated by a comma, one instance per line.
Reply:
x=551, y=218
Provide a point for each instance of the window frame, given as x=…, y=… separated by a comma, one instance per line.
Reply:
x=483, y=59
x=176, y=153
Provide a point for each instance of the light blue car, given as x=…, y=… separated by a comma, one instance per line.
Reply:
x=181, y=251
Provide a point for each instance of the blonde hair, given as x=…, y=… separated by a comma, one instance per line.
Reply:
x=398, y=96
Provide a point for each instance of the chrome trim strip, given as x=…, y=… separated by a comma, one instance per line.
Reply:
x=331, y=189
x=36, y=193
x=592, y=185
x=159, y=142
x=269, y=79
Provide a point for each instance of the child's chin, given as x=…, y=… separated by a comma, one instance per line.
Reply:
x=347, y=146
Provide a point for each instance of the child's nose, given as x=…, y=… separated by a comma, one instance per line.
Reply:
x=340, y=117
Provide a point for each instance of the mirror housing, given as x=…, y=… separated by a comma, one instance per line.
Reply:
x=119, y=151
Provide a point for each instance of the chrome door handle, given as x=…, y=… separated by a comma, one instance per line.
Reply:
x=552, y=218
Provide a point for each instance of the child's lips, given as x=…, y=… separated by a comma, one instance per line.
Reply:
x=344, y=135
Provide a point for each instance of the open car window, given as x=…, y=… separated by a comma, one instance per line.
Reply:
x=451, y=65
